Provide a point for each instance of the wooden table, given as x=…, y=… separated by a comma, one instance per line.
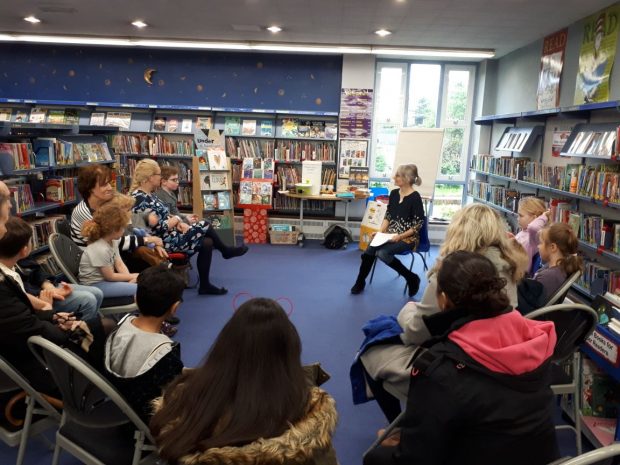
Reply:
x=332, y=198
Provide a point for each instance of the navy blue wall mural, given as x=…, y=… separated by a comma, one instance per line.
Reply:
x=214, y=79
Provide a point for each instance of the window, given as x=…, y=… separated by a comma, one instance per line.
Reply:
x=425, y=95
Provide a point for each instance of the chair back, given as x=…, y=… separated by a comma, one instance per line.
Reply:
x=89, y=399
x=573, y=324
x=425, y=243
x=559, y=295
x=536, y=263
x=63, y=227
x=67, y=254
x=597, y=456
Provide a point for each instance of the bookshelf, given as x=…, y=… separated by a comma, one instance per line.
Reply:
x=213, y=193
x=582, y=184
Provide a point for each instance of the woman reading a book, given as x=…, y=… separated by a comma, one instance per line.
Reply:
x=178, y=236
x=250, y=402
x=403, y=221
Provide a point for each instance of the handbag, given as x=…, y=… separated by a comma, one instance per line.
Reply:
x=150, y=256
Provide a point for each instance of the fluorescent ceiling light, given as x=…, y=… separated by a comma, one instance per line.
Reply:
x=437, y=53
x=139, y=23
x=274, y=29
x=32, y=19
x=383, y=32
x=249, y=45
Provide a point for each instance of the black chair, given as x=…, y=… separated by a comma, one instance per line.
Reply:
x=98, y=426
x=63, y=227
x=559, y=295
x=597, y=456
x=36, y=404
x=68, y=255
x=424, y=246
x=573, y=324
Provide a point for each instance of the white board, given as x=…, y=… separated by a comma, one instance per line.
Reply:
x=422, y=147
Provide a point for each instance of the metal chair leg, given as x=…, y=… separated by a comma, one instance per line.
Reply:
x=23, y=440
x=372, y=272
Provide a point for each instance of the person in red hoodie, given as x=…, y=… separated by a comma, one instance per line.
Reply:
x=479, y=391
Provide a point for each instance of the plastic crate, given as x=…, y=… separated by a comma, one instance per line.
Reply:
x=283, y=237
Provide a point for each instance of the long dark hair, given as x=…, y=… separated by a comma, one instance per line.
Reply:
x=250, y=385
x=471, y=282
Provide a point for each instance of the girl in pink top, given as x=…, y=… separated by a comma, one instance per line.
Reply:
x=533, y=216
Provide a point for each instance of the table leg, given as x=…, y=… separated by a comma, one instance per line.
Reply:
x=346, y=214
x=301, y=215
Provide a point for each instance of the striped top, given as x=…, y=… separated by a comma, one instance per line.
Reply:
x=81, y=214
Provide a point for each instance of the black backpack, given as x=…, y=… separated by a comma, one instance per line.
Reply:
x=336, y=237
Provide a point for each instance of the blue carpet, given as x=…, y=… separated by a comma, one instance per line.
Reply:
x=327, y=316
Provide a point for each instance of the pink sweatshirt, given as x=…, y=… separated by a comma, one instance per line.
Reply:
x=528, y=237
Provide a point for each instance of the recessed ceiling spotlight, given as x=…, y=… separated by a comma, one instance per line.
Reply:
x=139, y=23
x=274, y=29
x=32, y=19
x=383, y=32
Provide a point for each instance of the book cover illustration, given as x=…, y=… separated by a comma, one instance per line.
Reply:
x=72, y=116
x=172, y=125
x=248, y=167
x=268, y=168
x=210, y=201
x=223, y=200
x=37, y=115
x=219, y=181
x=97, y=119
x=232, y=126
x=203, y=164
x=289, y=127
x=56, y=117
x=118, y=119
x=303, y=130
x=204, y=122
x=317, y=130
x=159, y=123
x=21, y=116
x=217, y=159
x=249, y=127
x=205, y=185
x=358, y=176
x=245, y=192
x=5, y=114
x=219, y=221
x=258, y=173
x=266, y=128
x=186, y=125
x=266, y=191
x=331, y=131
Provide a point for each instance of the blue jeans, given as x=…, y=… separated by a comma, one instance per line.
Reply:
x=117, y=288
x=86, y=299
x=386, y=252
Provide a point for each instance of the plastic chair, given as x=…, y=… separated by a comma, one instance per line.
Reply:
x=36, y=404
x=67, y=254
x=559, y=295
x=424, y=246
x=98, y=426
x=63, y=227
x=573, y=324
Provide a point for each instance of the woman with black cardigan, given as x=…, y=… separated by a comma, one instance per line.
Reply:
x=404, y=219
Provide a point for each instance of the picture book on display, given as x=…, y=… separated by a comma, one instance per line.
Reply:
x=266, y=128
x=223, y=200
x=303, y=130
x=210, y=201
x=232, y=126
x=97, y=119
x=37, y=115
x=203, y=164
x=56, y=117
x=249, y=127
x=205, y=184
x=358, y=176
x=255, y=193
x=5, y=114
x=218, y=181
x=217, y=159
x=219, y=221
x=331, y=131
x=204, y=122
x=289, y=127
x=118, y=119
x=72, y=116
x=21, y=116
x=172, y=125
x=159, y=123
x=186, y=125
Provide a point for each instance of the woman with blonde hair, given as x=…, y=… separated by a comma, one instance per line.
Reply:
x=404, y=219
x=475, y=228
x=178, y=236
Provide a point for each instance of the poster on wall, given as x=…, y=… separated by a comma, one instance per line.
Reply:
x=596, y=57
x=356, y=113
x=560, y=136
x=551, y=63
x=353, y=153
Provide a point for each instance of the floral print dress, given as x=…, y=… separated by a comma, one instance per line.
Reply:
x=174, y=241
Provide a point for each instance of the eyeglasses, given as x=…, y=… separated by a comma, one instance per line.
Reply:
x=173, y=179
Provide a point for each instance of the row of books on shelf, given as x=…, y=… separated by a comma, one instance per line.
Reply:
x=498, y=195
x=599, y=279
x=60, y=189
x=288, y=176
x=149, y=144
x=185, y=196
x=22, y=197
x=41, y=115
x=282, y=202
x=282, y=150
x=255, y=193
x=242, y=148
x=291, y=127
x=49, y=152
x=217, y=201
x=185, y=168
x=48, y=264
x=234, y=126
x=42, y=229
x=597, y=181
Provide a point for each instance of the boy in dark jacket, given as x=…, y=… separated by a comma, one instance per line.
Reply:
x=480, y=394
x=140, y=360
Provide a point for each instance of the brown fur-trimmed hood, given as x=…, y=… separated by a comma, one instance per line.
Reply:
x=309, y=441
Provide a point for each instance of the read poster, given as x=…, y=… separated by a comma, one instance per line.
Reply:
x=596, y=58
x=551, y=63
